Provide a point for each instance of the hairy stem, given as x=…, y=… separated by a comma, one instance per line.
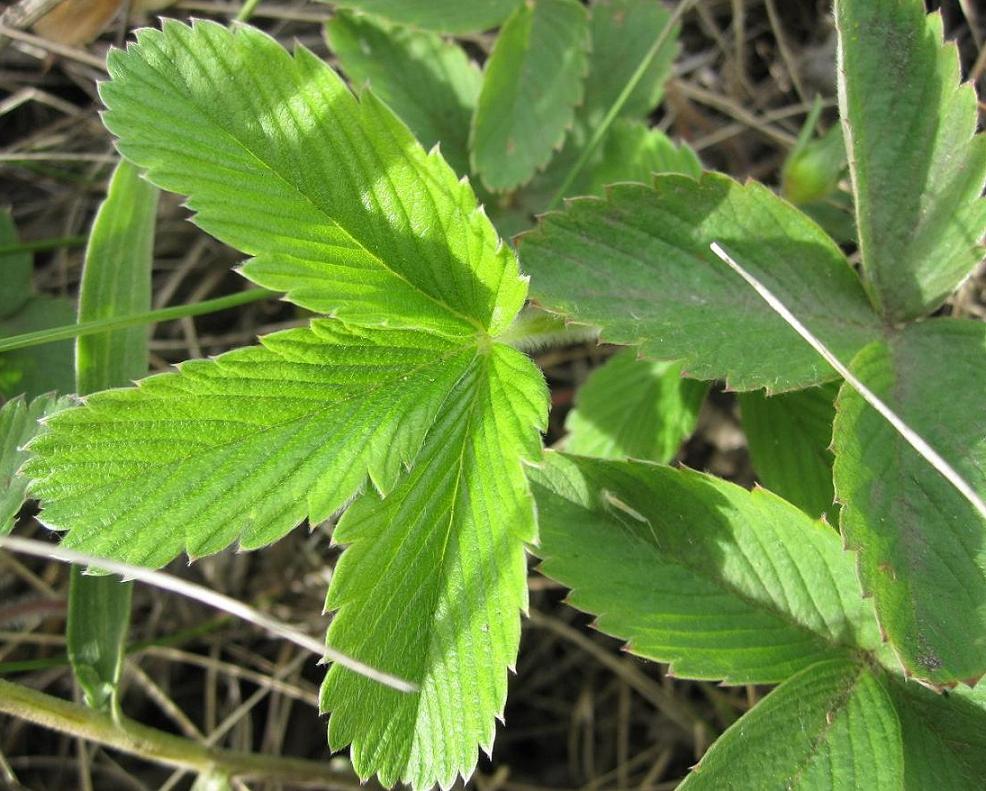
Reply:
x=165, y=748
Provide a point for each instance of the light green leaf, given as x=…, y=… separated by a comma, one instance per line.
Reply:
x=832, y=727
x=634, y=408
x=448, y=618
x=335, y=198
x=245, y=446
x=638, y=265
x=15, y=270
x=445, y=16
x=429, y=82
x=944, y=737
x=694, y=571
x=531, y=86
x=921, y=544
x=96, y=633
x=623, y=32
x=407, y=386
x=116, y=281
x=42, y=369
x=918, y=168
x=789, y=437
x=18, y=424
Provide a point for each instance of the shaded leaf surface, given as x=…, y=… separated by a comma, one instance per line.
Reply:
x=638, y=266
x=445, y=16
x=789, y=437
x=920, y=543
x=832, y=726
x=428, y=81
x=18, y=424
x=918, y=168
x=531, y=85
x=717, y=581
x=634, y=408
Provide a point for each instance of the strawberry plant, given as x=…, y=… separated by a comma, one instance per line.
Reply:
x=408, y=411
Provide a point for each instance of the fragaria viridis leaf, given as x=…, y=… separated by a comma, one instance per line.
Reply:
x=637, y=264
x=405, y=386
x=532, y=83
x=717, y=581
x=832, y=726
x=921, y=544
x=429, y=81
x=442, y=16
x=918, y=168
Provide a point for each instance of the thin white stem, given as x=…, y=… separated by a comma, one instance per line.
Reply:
x=208, y=597
x=929, y=454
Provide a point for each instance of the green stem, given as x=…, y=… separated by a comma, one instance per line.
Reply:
x=535, y=329
x=40, y=245
x=165, y=748
x=246, y=11
x=600, y=131
x=135, y=320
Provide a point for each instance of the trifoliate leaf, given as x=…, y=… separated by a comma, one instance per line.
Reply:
x=789, y=437
x=638, y=265
x=408, y=388
x=944, y=737
x=717, y=581
x=428, y=81
x=444, y=16
x=922, y=546
x=832, y=727
x=336, y=200
x=531, y=86
x=447, y=616
x=18, y=424
x=918, y=168
x=631, y=408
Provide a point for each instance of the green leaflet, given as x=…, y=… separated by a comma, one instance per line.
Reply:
x=920, y=543
x=832, y=726
x=429, y=82
x=335, y=199
x=918, y=168
x=944, y=737
x=18, y=424
x=623, y=31
x=245, y=446
x=29, y=372
x=789, y=437
x=634, y=408
x=456, y=526
x=405, y=387
x=116, y=281
x=719, y=582
x=444, y=16
x=638, y=266
x=531, y=85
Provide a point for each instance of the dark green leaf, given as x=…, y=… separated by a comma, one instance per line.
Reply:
x=922, y=546
x=832, y=727
x=918, y=167
x=789, y=437
x=638, y=265
x=720, y=582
